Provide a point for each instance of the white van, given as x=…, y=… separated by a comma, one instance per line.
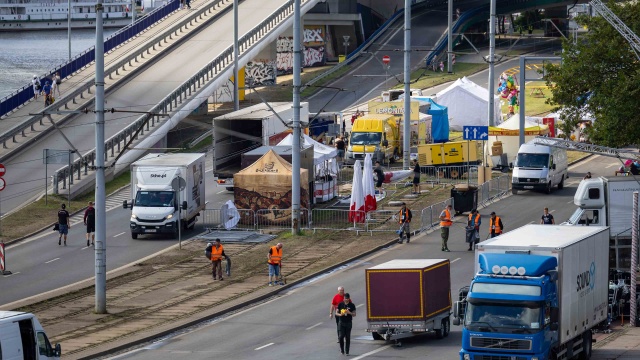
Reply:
x=539, y=167
x=22, y=337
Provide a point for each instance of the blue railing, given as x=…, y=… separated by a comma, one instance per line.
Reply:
x=23, y=95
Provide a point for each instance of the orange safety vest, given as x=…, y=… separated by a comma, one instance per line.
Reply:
x=477, y=218
x=406, y=216
x=276, y=255
x=216, y=254
x=496, y=223
x=447, y=220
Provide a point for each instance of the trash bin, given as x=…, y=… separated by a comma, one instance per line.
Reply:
x=341, y=58
x=465, y=198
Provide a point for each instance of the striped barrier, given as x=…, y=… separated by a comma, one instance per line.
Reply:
x=3, y=268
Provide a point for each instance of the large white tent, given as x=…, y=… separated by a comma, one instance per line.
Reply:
x=321, y=152
x=467, y=103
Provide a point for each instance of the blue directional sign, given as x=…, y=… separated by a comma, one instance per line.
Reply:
x=475, y=132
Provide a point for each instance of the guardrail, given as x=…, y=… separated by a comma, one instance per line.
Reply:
x=78, y=62
x=182, y=93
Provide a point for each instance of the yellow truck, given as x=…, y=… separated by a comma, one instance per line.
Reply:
x=376, y=134
x=451, y=159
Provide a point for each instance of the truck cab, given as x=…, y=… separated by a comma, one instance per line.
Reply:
x=592, y=207
x=375, y=134
x=539, y=167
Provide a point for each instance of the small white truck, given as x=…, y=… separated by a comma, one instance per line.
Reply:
x=22, y=337
x=168, y=190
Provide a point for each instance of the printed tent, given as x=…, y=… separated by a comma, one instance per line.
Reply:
x=467, y=103
x=508, y=133
x=265, y=188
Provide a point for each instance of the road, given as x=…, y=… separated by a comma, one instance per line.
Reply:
x=295, y=323
x=39, y=265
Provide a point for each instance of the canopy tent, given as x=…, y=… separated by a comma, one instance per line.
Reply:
x=439, y=121
x=324, y=157
x=467, y=103
x=508, y=133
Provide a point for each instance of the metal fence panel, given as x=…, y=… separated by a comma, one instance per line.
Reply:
x=337, y=219
x=382, y=220
x=431, y=217
x=215, y=219
x=279, y=219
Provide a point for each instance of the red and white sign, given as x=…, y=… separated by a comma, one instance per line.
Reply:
x=2, y=184
x=3, y=170
x=386, y=60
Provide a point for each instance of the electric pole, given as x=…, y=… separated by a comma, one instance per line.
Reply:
x=100, y=206
x=406, y=147
x=492, y=50
x=295, y=153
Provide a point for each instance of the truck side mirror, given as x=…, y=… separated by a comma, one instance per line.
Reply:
x=554, y=314
x=58, y=351
x=456, y=313
x=385, y=143
x=184, y=205
x=124, y=204
x=553, y=166
x=510, y=165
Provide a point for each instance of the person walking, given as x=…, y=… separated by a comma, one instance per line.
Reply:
x=346, y=311
x=37, y=87
x=341, y=149
x=337, y=299
x=63, y=224
x=55, y=84
x=416, y=179
x=46, y=90
x=473, y=228
x=404, y=219
x=188, y=2
x=379, y=174
x=495, y=225
x=90, y=222
x=445, y=224
x=275, y=263
x=547, y=219
x=441, y=66
x=217, y=253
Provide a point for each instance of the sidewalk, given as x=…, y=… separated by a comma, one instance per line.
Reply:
x=622, y=343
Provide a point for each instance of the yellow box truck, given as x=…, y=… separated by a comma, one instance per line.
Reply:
x=376, y=134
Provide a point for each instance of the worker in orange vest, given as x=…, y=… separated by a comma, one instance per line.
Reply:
x=217, y=253
x=404, y=218
x=275, y=262
x=495, y=225
x=473, y=228
x=445, y=224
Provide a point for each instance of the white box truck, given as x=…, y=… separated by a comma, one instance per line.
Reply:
x=539, y=167
x=22, y=337
x=608, y=201
x=166, y=188
x=537, y=292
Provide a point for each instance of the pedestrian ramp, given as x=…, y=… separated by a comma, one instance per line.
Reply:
x=242, y=237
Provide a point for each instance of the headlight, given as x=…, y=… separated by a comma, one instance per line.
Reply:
x=133, y=216
x=543, y=180
x=514, y=179
x=168, y=217
x=467, y=357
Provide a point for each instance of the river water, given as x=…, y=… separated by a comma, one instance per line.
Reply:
x=27, y=53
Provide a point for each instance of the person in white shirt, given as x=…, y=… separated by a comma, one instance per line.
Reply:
x=36, y=86
x=55, y=84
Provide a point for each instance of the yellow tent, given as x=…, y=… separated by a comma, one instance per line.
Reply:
x=508, y=133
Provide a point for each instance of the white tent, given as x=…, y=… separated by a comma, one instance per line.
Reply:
x=508, y=133
x=467, y=103
x=324, y=157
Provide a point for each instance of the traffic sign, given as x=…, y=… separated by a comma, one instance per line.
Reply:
x=2, y=184
x=386, y=60
x=475, y=132
x=3, y=170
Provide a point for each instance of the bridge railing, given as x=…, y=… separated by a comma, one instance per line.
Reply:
x=177, y=98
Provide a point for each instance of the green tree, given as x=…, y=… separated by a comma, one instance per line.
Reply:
x=600, y=75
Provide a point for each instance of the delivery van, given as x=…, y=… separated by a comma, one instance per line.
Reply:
x=22, y=337
x=539, y=167
x=376, y=134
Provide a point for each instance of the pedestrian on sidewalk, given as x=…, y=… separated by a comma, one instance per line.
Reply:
x=379, y=174
x=441, y=66
x=275, y=262
x=56, y=84
x=63, y=224
x=445, y=224
x=404, y=218
x=495, y=225
x=473, y=228
x=416, y=179
x=217, y=253
x=547, y=219
x=90, y=222
x=37, y=87
x=188, y=2
x=346, y=311
x=340, y=147
x=335, y=302
x=46, y=90
x=181, y=4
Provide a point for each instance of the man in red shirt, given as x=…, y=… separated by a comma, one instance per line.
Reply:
x=337, y=299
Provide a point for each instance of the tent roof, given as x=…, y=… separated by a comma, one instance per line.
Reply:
x=435, y=108
x=321, y=152
x=512, y=127
x=468, y=86
x=269, y=163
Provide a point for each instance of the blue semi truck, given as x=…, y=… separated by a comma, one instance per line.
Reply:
x=537, y=292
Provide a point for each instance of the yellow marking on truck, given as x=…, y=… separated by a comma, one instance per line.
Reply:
x=402, y=316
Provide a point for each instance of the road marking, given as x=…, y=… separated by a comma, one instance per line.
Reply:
x=223, y=191
x=264, y=346
x=372, y=352
x=361, y=305
x=122, y=233
x=531, y=222
x=310, y=327
x=570, y=202
x=454, y=260
x=86, y=247
x=551, y=211
x=612, y=165
x=50, y=261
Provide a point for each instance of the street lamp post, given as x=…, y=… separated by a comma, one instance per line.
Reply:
x=346, y=44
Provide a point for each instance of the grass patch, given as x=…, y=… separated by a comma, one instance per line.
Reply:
x=423, y=78
x=535, y=103
x=41, y=214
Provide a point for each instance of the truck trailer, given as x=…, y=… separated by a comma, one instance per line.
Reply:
x=167, y=191
x=421, y=300
x=537, y=292
x=608, y=201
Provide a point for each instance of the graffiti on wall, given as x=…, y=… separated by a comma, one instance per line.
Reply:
x=313, y=49
x=260, y=73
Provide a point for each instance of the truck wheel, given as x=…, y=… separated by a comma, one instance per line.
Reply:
x=376, y=336
x=134, y=236
x=561, y=185
x=446, y=328
x=514, y=191
x=586, y=346
x=454, y=173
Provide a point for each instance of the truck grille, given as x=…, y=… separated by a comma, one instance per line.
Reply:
x=529, y=180
x=497, y=357
x=493, y=343
x=150, y=220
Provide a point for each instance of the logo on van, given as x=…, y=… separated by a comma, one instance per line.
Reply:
x=586, y=280
x=162, y=176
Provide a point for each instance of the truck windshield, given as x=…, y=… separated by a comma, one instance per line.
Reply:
x=511, y=318
x=361, y=138
x=154, y=198
x=536, y=161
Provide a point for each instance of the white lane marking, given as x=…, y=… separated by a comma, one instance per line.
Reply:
x=551, y=211
x=86, y=247
x=454, y=260
x=531, y=222
x=372, y=352
x=570, y=202
x=50, y=261
x=264, y=346
x=312, y=326
x=122, y=233
x=612, y=165
x=221, y=192
x=361, y=305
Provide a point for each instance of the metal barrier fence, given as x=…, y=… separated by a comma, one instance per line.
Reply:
x=216, y=219
x=280, y=219
x=23, y=95
x=382, y=220
x=430, y=216
x=494, y=190
x=337, y=219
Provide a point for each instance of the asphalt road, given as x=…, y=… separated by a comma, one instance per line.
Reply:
x=39, y=265
x=295, y=323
